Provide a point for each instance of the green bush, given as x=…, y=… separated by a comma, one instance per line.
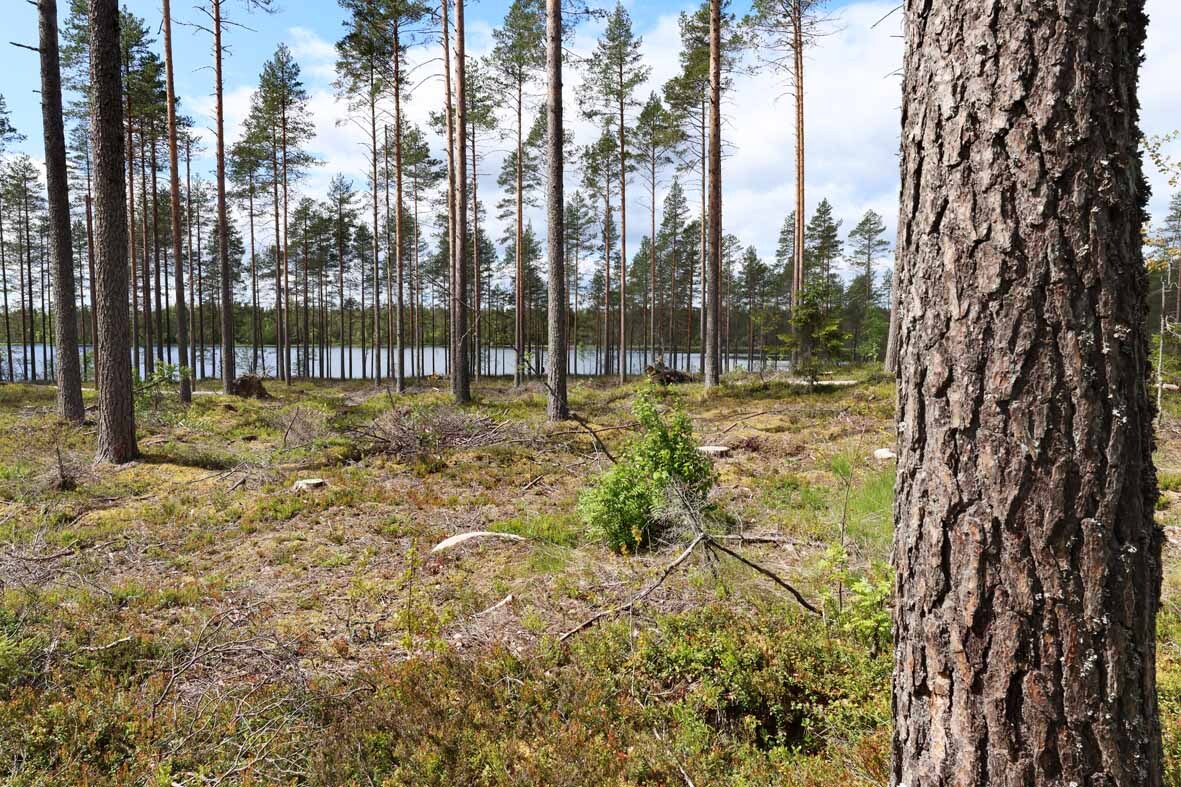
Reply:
x=620, y=508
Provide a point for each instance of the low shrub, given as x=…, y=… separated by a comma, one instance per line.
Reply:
x=621, y=507
x=723, y=696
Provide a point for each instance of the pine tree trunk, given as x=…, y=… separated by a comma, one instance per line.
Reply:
x=556, y=405
x=223, y=227
x=69, y=374
x=1026, y=560
x=116, y=414
x=622, y=234
x=182, y=317
x=145, y=267
x=460, y=384
x=713, y=283
x=376, y=236
x=400, y=367
x=4, y=286
x=255, y=318
x=519, y=340
x=797, y=22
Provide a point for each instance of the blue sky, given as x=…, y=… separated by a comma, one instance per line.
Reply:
x=852, y=101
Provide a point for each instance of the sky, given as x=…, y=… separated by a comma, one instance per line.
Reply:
x=852, y=102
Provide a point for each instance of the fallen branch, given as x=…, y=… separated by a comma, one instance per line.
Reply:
x=643, y=594
x=702, y=537
x=765, y=572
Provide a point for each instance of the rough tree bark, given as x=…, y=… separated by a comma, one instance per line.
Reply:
x=182, y=316
x=713, y=282
x=556, y=405
x=61, y=244
x=116, y=409
x=1027, y=564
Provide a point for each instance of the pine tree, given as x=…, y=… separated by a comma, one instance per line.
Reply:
x=518, y=54
x=614, y=71
x=655, y=137
x=1027, y=563
x=215, y=12
x=713, y=281
x=69, y=377
x=279, y=111
x=822, y=249
x=8, y=135
x=460, y=379
x=782, y=30
x=677, y=265
x=362, y=77
x=557, y=407
x=600, y=169
x=116, y=409
x=578, y=224
x=182, y=321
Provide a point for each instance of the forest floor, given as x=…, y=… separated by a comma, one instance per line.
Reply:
x=191, y=619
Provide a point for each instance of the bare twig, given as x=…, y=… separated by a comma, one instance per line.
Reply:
x=643, y=594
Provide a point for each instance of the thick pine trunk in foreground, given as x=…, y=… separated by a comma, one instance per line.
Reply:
x=556, y=405
x=61, y=243
x=116, y=411
x=1027, y=562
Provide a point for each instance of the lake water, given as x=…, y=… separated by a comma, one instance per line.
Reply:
x=496, y=361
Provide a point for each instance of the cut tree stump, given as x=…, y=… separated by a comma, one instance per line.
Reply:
x=714, y=451
x=249, y=386
x=304, y=484
x=658, y=372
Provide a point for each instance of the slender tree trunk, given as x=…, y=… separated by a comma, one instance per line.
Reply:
x=145, y=268
x=182, y=318
x=223, y=227
x=705, y=214
x=116, y=413
x=797, y=19
x=713, y=282
x=1027, y=563
x=556, y=407
x=280, y=365
x=519, y=316
x=287, y=252
x=400, y=373
x=477, y=275
x=4, y=284
x=31, y=352
x=161, y=323
x=622, y=235
x=652, y=261
x=189, y=246
x=460, y=383
x=255, y=318
x=61, y=243
x=132, y=262
x=340, y=277
x=376, y=235
x=200, y=296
